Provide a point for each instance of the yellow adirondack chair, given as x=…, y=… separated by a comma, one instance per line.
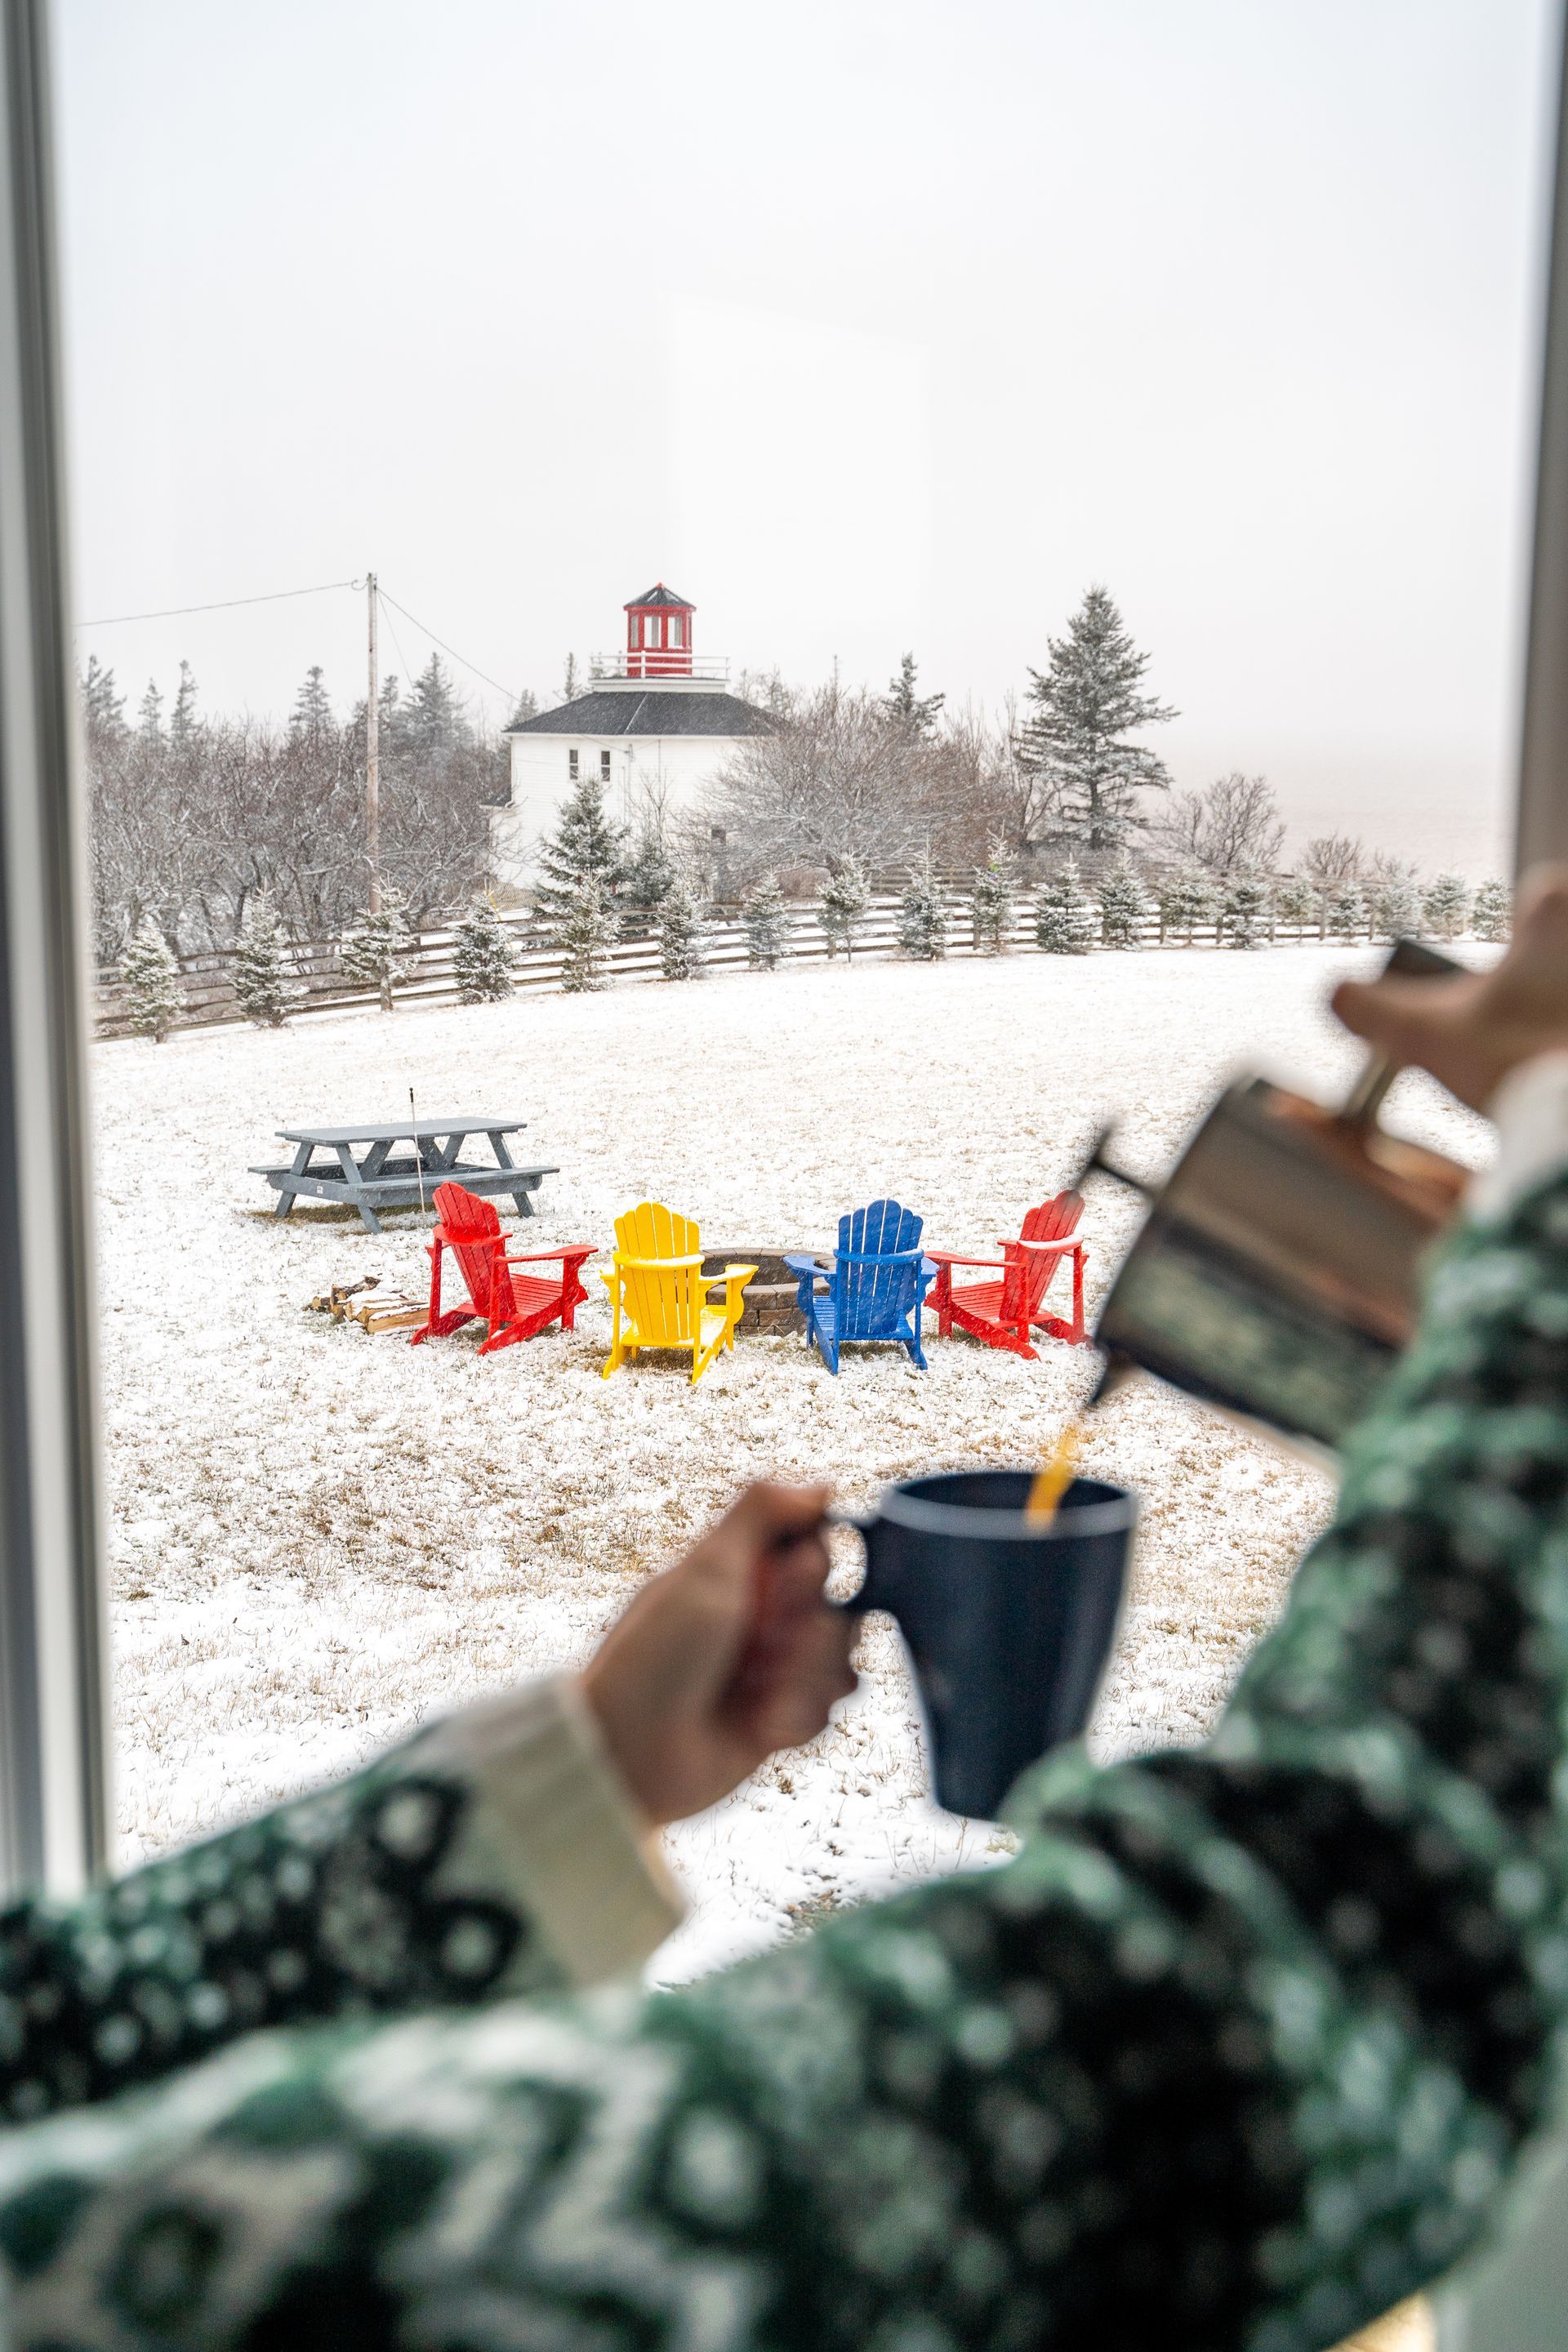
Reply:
x=659, y=1292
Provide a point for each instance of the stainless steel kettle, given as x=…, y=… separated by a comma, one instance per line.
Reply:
x=1277, y=1272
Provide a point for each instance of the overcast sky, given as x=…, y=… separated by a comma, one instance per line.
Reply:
x=866, y=326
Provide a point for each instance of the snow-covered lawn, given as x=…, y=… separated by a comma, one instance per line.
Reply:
x=319, y=1537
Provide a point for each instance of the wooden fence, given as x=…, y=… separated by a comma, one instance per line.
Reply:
x=208, y=984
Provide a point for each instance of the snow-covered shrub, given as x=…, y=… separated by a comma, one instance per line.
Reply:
x=482, y=955
x=767, y=924
x=1447, y=905
x=991, y=898
x=841, y=907
x=262, y=985
x=1345, y=915
x=649, y=875
x=584, y=926
x=1245, y=912
x=1123, y=905
x=1064, y=914
x=1187, y=898
x=1491, y=916
x=370, y=954
x=150, y=977
x=1296, y=903
x=680, y=946
x=1393, y=907
x=922, y=915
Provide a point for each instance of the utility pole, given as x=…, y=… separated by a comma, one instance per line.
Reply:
x=373, y=758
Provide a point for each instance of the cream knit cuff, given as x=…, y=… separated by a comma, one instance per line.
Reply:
x=595, y=1885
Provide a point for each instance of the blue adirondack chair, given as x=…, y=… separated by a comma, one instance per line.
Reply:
x=876, y=1284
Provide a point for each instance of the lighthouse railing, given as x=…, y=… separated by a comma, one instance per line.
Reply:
x=661, y=662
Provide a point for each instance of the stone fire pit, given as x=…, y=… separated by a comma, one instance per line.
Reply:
x=771, y=1294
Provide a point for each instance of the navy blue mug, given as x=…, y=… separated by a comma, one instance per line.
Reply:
x=1008, y=1622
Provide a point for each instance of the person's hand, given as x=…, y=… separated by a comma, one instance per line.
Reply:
x=1472, y=1030
x=733, y=1652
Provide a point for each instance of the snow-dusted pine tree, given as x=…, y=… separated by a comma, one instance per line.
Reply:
x=1296, y=903
x=647, y=875
x=1445, y=906
x=1065, y=920
x=1187, y=898
x=586, y=840
x=767, y=924
x=1084, y=707
x=1346, y=916
x=682, y=955
x=262, y=985
x=150, y=977
x=1491, y=916
x=922, y=915
x=991, y=896
x=370, y=954
x=584, y=930
x=841, y=907
x=1123, y=905
x=1393, y=907
x=483, y=955
x=1244, y=912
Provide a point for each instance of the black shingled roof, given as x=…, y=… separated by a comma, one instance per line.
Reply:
x=652, y=713
x=659, y=594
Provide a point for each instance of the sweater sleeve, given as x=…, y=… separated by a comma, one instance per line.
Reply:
x=1236, y=2052
x=493, y=1855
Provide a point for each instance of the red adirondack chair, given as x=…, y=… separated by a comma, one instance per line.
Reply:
x=1004, y=1313
x=514, y=1306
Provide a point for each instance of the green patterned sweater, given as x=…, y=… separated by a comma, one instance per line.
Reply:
x=1236, y=2052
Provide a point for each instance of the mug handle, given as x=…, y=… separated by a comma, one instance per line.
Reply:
x=863, y=1524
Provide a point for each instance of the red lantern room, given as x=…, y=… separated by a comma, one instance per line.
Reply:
x=658, y=635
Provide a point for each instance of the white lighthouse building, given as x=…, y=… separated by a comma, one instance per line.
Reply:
x=655, y=725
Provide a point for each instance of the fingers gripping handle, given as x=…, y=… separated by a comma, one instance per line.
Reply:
x=865, y=1597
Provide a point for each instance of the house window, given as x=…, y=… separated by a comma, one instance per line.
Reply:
x=603, y=767
x=572, y=765
x=717, y=835
x=650, y=628
x=677, y=630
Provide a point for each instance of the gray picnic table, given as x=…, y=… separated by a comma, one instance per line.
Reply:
x=376, y=1179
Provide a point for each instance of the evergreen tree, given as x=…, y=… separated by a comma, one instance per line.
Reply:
x=647, y=875
x=312, y=711
x=1187, y=898
x=682, y=955
x=1085, y=707
x=1345, y=916
x=585, y=841
x=585, y=932
x=571, y=684
x=483, y=955
x=103, y=710
x=527, y=708
x=1245, y=910
x=905, y=708
x=1447, y=906
x=262, y=986
x=433, y=720
x=991, y=898
x=1123, y=905
x=371, y=955
x=149, y=717
x=767, y=924
x=150, y=976
x=1393, y=907
x=183, y=724
x=1296, y=902
x=922, y=915
x=1064, y=915
x=841, y=907
x=1491, y=917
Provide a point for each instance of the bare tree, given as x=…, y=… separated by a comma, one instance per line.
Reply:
x=1331, y=858
x=1232, y=828
x=839, y=778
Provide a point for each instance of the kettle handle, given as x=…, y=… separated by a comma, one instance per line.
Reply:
x=1407, y=959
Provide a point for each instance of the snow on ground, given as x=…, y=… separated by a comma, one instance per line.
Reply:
x=319, y=1539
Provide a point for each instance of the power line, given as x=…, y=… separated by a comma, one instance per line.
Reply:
x=228, y=604
x=445, y=648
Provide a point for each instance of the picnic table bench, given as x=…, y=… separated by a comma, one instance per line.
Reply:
x=376, y=1179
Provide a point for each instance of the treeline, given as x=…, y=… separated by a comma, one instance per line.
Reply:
x=194, y=820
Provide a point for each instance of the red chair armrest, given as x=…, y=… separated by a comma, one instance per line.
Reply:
x=956, y=1257
x=1069, y=1242
x=531, y=1257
